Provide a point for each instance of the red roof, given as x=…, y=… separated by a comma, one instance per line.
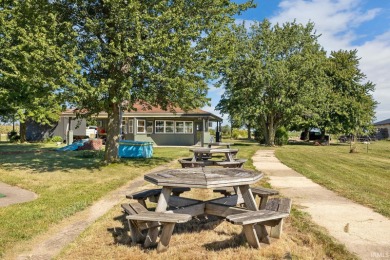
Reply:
x=144, y=109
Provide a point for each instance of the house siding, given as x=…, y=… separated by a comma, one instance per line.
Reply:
x=39, y=132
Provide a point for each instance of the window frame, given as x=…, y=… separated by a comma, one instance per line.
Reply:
x=130, y=126
x=156, y=126
x=149, y=127
x=144, y=126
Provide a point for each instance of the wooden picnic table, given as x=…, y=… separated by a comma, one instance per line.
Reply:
x=206, y=153
x=207, y=178
x=219, y=144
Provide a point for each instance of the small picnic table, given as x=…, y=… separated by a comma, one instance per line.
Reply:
x=206, y=153
x=219, y=144
x=207, y=178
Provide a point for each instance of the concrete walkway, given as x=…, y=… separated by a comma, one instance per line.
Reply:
x=362, y=230
x=15, y=195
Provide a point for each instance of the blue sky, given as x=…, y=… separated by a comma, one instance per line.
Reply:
x=343, y=24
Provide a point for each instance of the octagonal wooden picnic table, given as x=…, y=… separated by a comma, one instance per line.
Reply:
x=205, y=178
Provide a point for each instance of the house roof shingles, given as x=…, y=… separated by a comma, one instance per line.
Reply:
x=383, y=122
x=157, y=111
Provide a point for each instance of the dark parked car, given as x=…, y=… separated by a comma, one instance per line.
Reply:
x=314, y=136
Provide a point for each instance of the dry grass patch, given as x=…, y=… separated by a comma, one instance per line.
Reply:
x=203, y=238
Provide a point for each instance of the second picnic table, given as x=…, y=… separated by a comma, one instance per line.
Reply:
x=206, y=153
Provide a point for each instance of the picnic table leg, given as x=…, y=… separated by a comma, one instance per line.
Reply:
x=162, y=204
x=251, y=236
x=165, y=237
x=250, y=203
x=229, y=157
x=263, y=201
x=136, y=235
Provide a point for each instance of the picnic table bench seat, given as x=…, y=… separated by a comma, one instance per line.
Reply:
x=219, y=144
x=188, y=163
x=237, y=163
x=263, y=193
x=276, y=210
x=153, y=194
x=139, y=218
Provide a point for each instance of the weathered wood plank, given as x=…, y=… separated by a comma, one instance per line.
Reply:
x=163, y=217
x=252, y=217
x=229, y=200
x=143, y=194
x=222, y=210
x=177, y=202
x=193, y=210
x=281, y=205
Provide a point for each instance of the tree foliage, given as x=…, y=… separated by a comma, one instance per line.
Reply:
x=274, y=73
x=350, y=105
x=36, y=60
x=156, y=52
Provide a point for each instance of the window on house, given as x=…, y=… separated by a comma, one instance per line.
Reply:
x=160, y=126
x=184, y=127
x=179, y=127
x=124, y=126
x=189, y=127
x=131, y=126
x=141, y=126
x=169, y=127
x=149, y=127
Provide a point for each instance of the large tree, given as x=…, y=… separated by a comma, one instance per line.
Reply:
x=36, y=61
x=275, y=72
x=157, y=52
x=350, y=105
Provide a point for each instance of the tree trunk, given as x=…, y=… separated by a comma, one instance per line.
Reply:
x=23, y=130
x=269, y=131
x=305, y=135
x=111, y=153
x=249, y=132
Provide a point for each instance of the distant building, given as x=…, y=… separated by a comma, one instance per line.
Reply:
x=383, y=129
x=184, y=128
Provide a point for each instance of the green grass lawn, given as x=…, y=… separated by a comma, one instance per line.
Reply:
x=363, y=177
x=66, y=182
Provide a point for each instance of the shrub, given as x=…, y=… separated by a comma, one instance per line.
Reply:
x=13, y=136
x=281, y=136
x=56, y=139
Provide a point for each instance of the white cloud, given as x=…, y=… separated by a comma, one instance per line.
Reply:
x=375, y=63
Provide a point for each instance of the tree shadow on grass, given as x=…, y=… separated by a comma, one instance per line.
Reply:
x=245, y=144
x=49, y=160
x=235, y=241
x=142, y=162
x=312, y=143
